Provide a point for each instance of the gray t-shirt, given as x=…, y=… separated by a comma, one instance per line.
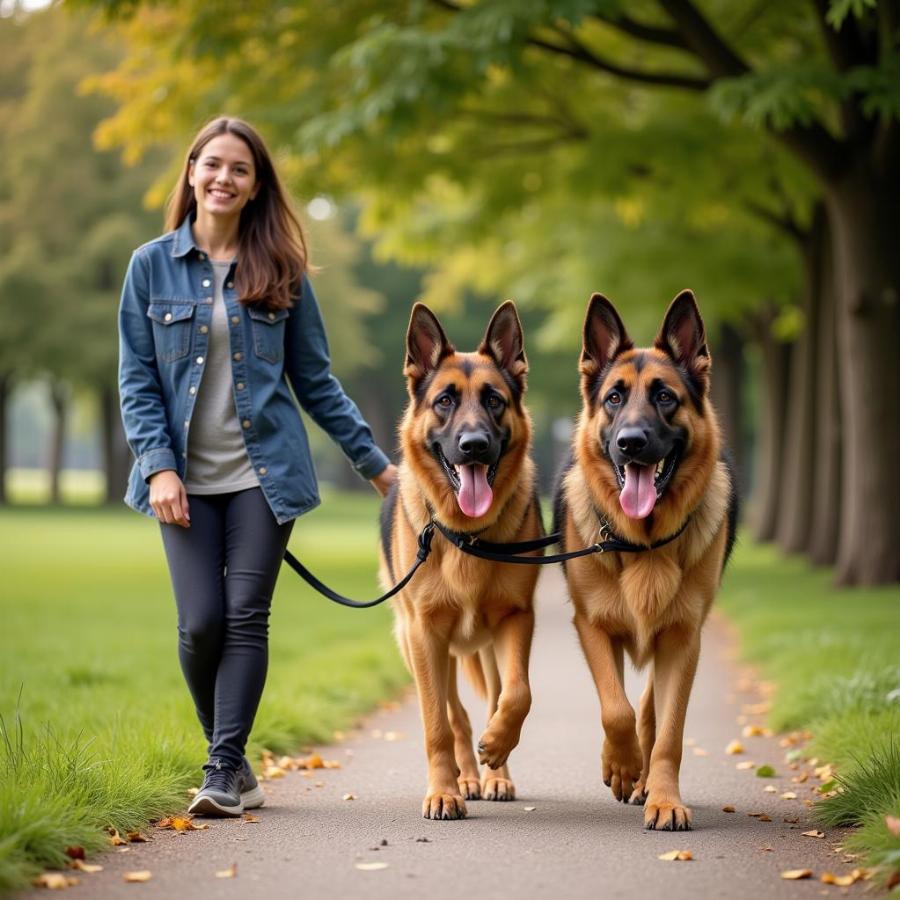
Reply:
x=217, y=460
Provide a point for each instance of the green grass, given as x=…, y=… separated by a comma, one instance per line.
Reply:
x=835, y=657
x=98, y=727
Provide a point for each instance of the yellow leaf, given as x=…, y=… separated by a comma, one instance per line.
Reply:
x=348, y=797
x=55, y=881
x=82, y=866
x=135, y=837
x=138, y=877
x=249, y=819
x=331, y=764
x=752, y=731
x=371, y=867
x=273, y=772
x=796, y=874
x=530, y=808
x=839, y=880
x=230, y=872
x=788, y=795
x=770, y=789
x=676, y=856
x=734, y=748
x=814, y=833
x=115, y=838
x=746, y=764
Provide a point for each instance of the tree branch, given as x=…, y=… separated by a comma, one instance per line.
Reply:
x=718, y=56
x=668, y=37
x=784, y=223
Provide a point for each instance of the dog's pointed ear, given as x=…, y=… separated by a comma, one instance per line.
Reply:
x=426, y=344
x=605, y=336
x=504, y=342
x=683, y=337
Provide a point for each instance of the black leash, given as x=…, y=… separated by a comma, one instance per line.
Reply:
x=424, y=539
x=475, y=546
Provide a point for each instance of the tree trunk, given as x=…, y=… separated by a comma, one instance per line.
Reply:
x=799, y=450
x=59, y=396
x=728, y=395
x=5, y=385
x=771, y=408
x=826, y=501
x=116, y=454
x=863, y=213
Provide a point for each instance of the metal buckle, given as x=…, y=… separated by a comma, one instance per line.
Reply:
x=604, y=533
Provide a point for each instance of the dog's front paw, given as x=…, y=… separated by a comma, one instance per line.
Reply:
x=443, y=805
x=621, y=765
x=496, y=744
x=663, y=814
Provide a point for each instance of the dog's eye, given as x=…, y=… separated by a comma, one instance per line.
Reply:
x=443, y=402
x=665, y=397
x=495, y=403
x=614, y=398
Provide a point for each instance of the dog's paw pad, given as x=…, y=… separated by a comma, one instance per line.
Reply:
x=499, y=789
x=443, y=806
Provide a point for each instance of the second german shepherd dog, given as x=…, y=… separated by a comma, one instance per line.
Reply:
x=465, y=438
x=647, y=465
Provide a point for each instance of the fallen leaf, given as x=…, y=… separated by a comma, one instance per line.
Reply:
x=82, y=866
x=801, y=778
x=791, y=820
x=230, y=872
x=75, y=852
x=249, y=819
x=893, y=825
x=181, y=823
x=796, y=874
x=273, y=772
x=765, y=772
x=115, y=838
x=371, y=867
x=423, y=840
x=752, y=731
x=755, y=815
x=349, y=797
x=55, y=881
x=767, y=849
x=331, y=764
x=135, y=837
x=734, y=748
x=727, y=809
x=530, y=808
x=138, y=877
x=814, y=833
x=393, y=736
x=839, y=880
x=746, y=764
x=699, y=751
x=770, y=789
x=788, y=795
x=676, y=855
x=764, y=818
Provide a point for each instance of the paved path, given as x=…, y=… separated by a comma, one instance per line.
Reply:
x=576, y=842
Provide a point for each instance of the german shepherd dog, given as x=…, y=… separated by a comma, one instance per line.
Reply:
x=465, y=439
x=647, y=464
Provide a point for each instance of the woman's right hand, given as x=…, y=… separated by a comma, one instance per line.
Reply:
x=168, y=498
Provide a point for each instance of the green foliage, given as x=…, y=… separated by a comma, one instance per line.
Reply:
x=98, y=726
x=838, y=10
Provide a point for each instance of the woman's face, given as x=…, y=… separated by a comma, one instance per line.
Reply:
x=223, y=176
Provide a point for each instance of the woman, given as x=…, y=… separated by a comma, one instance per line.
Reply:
x=218, y=325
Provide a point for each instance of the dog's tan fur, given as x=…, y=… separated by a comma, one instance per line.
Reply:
x=651, y=604
x=458, y=607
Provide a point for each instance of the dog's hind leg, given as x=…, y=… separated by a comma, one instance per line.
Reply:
x=646, y=729
x=512, y=643
x=429, y=654
x=468, y=779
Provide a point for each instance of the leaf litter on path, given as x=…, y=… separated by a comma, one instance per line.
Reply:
x=676, y=856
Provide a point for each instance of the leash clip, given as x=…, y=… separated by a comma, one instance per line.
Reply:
x=425, y=539
x=604, y=533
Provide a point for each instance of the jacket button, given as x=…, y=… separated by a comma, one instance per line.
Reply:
x=229, y=284
x=263, y=470
x=246, y=423
x=238, y=356
x=192, y=390
x=204, y=329
x=167, y=317
x=271, y=317
x=240, y=385
x=199, y=360
x=235, y=320
x=201, y=256
x=206, y=282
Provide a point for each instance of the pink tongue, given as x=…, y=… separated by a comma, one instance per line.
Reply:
x=475, y=495
x=638, y=497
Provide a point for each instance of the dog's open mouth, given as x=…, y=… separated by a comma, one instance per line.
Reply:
x=471, y=482
x=641, y=486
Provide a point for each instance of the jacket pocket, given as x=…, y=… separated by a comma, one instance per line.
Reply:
x=171, y=329
x=268, y=332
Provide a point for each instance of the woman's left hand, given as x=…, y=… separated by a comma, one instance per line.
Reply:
x=383, y=481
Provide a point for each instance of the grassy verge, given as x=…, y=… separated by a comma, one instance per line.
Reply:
x=98, y=727
x=835, y=656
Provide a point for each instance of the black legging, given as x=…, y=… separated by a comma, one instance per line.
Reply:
x=224, y=569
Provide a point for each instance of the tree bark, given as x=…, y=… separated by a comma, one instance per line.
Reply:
x=771, y=409
x=5, y=385
x=59, y=397
x=863, y=213
x=116, y=454
x=826, y=500
x=799, y=451
x=727, y=392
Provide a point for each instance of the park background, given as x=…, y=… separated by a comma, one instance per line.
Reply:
x=458, y=153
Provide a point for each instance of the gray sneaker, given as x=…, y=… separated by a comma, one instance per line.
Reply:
x=219, y=795
x=252, y=795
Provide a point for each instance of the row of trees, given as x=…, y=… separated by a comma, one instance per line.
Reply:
x=546, y=148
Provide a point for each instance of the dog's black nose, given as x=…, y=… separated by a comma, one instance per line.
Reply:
x=472, y=442
x=631, y=440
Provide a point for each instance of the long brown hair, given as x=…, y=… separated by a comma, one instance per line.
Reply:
x=272, y=253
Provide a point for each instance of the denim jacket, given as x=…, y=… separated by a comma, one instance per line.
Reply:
x=164, y=324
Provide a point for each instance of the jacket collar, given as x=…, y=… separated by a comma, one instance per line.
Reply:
x=184, y=238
